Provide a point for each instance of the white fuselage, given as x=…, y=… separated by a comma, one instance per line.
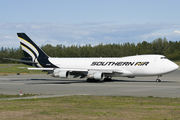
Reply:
x=94, y=68
x=140, y=65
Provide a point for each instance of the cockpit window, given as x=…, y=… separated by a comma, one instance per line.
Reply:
x=163, y=57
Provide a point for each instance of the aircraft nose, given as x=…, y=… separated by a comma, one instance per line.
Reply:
x=173, y=66
x=177, y=67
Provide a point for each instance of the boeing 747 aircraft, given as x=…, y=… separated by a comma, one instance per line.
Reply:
x=94, y=68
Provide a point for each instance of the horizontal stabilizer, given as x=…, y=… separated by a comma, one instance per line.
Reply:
x=23, y=61
x=40, y=68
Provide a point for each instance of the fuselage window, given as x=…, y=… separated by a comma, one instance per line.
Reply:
x=163, y=57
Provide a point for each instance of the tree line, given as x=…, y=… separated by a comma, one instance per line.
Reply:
x=159, y=46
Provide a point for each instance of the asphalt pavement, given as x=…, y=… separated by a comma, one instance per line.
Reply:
x=120, y=86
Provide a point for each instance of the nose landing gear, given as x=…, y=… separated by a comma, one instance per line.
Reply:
x=158, y=79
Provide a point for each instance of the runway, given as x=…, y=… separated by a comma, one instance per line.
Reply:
x=121, y=86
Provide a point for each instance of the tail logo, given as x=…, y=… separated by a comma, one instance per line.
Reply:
x=30, y=49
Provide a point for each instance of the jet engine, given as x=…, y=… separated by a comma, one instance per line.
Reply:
x=95, y=75
x=61, y=74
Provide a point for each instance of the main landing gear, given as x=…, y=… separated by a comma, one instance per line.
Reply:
x=94, y=80
x=158, y=79
x=107, y=79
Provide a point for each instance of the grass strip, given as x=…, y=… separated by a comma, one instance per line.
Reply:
x=4, y=96
x=18, y=68
x=92, y=107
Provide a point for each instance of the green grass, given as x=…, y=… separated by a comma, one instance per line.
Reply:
x=92, y=107
x=16, y=68
x=3, y=65
x=3, y=96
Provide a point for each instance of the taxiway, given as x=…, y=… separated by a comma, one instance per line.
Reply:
x=47, y=85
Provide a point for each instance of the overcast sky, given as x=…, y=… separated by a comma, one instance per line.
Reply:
x=80, y=22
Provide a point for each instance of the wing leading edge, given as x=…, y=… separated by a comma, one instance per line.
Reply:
x=56, y=72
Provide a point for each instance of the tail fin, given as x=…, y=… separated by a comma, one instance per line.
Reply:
x=33, y=52
x=30, y=48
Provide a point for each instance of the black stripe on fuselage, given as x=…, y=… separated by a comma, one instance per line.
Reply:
x=46, y=63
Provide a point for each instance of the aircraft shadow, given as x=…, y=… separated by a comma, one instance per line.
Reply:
x=52, y=81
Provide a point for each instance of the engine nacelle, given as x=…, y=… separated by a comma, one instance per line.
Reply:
x=60, y=73
x=96, y=75
x=99, y=76
x=63, y=74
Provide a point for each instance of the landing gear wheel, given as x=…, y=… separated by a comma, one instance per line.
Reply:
x=158, y=80
x=89, y=80
x=107, y=79
x=92, y=80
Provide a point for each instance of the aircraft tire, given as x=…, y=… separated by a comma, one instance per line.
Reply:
x=158, y=80
x=91, y=80
x=107, y=79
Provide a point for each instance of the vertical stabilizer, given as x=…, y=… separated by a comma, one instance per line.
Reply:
x=33, y=52
x=30, y=47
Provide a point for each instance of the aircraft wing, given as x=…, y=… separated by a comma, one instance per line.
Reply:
x=80, y=70
x=60, y=69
